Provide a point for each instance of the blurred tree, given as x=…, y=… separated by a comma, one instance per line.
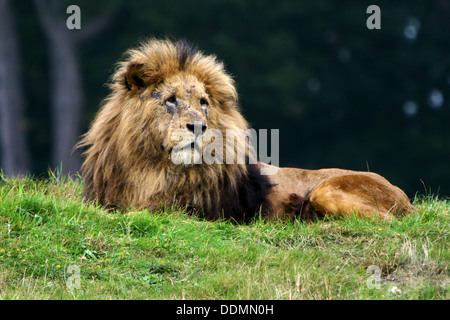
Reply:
x=14, y=148
x=67, y=92
x=342, y=95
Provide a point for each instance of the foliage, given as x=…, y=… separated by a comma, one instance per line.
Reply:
x=341, y=95
x=45, y=227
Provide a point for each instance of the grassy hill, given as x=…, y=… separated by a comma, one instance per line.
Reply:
x=55, y=246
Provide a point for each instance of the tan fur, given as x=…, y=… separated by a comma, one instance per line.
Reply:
x=130, y=141
x=127, y=162
x=339, y=192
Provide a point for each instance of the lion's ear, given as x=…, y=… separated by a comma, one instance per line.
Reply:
x=135, y=77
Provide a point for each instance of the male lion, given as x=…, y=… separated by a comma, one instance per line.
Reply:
x=133, y=160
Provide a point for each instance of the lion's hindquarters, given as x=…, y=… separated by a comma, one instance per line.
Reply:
x=361, y=195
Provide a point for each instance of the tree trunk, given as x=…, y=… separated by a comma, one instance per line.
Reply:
x=14, y=149
x=66, y=100
x=67, y=91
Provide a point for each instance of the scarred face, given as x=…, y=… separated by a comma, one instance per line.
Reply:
x=184, y=105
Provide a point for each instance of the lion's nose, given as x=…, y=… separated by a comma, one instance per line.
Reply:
x=196, y=127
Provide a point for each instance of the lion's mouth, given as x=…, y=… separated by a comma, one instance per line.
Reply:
x=187, y=147
x=189, y=154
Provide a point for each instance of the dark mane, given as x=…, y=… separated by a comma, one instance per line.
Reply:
x=185, y=51
x=245, y=201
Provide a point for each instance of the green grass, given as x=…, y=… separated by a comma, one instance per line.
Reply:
x=45, y=227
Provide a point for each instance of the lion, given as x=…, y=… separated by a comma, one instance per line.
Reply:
x=132, y=159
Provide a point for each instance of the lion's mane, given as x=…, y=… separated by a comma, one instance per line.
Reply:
x=125, y=164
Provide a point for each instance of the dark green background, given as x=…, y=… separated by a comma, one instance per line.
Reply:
x=335, y=89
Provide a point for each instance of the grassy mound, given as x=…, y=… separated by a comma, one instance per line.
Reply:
x=55, y=246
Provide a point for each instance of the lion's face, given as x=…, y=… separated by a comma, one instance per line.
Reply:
x=181, y=120
x=177, y=107
x=184, y=107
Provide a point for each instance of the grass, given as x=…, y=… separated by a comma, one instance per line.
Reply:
x=46, y=229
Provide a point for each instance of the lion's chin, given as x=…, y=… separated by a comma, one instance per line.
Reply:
x=186, y=157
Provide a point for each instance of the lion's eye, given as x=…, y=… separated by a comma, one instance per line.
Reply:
x=171, y=99
x=204, y=102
